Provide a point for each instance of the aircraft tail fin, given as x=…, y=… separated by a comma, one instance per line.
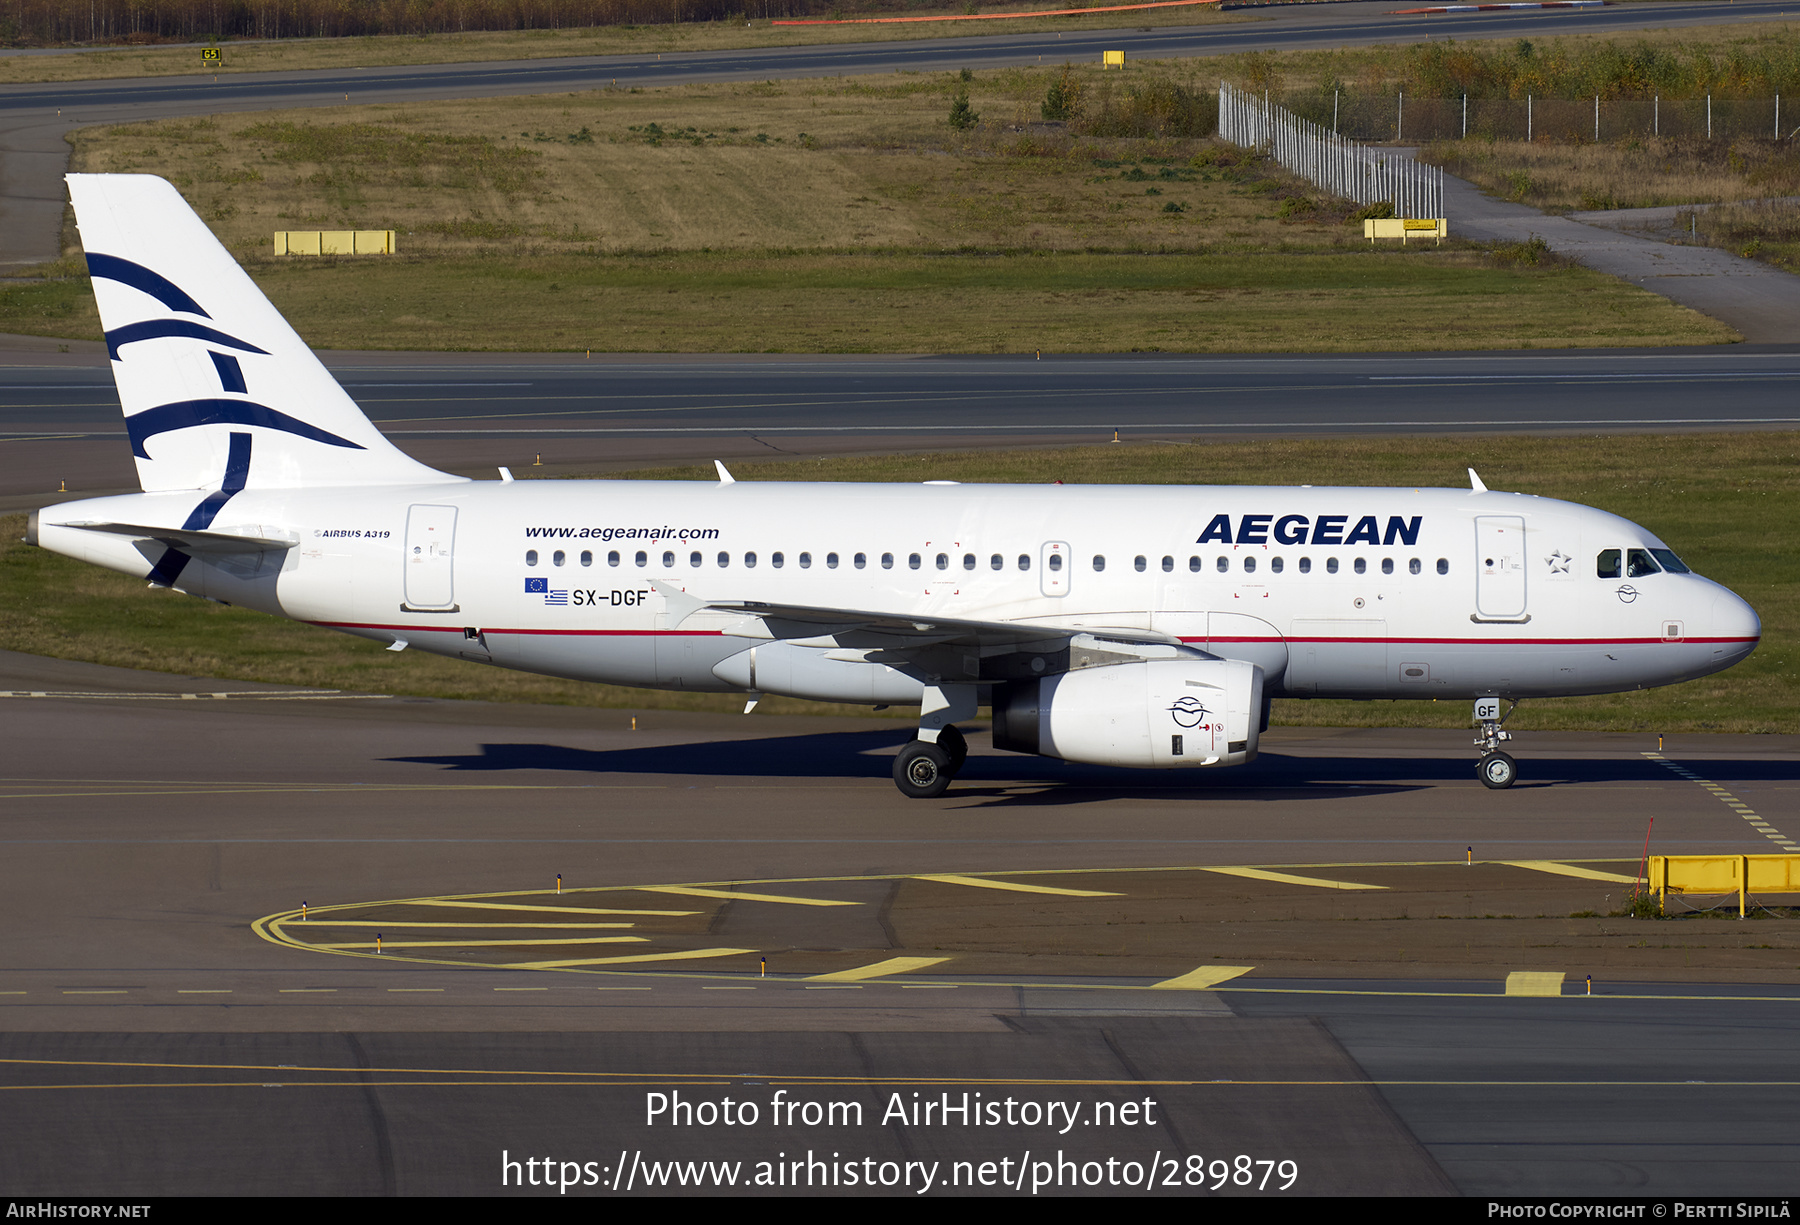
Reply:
x=217, y=389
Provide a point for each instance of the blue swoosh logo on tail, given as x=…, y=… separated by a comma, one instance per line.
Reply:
x=184, y=414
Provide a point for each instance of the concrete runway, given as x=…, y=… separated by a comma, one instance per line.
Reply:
x=35, y=119
x=60, y=421
x=151, y=1043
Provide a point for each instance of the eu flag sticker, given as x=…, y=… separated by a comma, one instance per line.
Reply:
x=537, y=586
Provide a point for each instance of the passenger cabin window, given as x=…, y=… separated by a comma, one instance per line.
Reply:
x=1168, y=565
x=1249, y=565
x=1306, y=565
x=1331, y=565
x=1024, y=561
x=1443, y=565
x=914, y=561
x=1639, y=563
x=612, y=557
x=531, y=557
x=1607, y=564
x=1387, y=565
x=887, y=561
x=1414, y=566
x=668, y=559
x=724, y=560
x=806, y=561
x=831, y=561
x=1099, y=563
x=750, y=560
x=968, y=561
x=1224, y=564
x=642, y=559
x=776, y=560
x=996, y=562
x=695, y=560
x=1055, y=562
x=1362, y=566
x=860, y=560
x=943, y=561
x=1193, y=565
x=1275, y=564
x=587, y=557
x=1138, y=563
x=558, y=558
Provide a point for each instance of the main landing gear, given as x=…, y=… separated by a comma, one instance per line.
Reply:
x=924, y=768
x=1496, y=770
x=923, y=771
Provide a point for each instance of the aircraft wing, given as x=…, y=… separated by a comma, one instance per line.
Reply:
x=864, y=627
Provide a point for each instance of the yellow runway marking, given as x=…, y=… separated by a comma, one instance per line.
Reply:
x=469, y=944
x=302, y=925
x=1564, y=869
x=1201, y=979
x=672, y=914
x=684, y=955
x=1749, y=814
x=1284, y=878
x=982, y=882
x=1534, y=982
x=731, y=896
x=879, y=969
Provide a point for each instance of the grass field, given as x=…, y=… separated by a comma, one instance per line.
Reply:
x=1726, y=503
x=829, y=215
x=398, y=49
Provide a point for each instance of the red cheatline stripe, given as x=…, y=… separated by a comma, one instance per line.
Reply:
x=1112, y=8
x=1485, y=642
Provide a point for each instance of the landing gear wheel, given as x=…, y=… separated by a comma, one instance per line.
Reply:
x=951, y=740
x=1497, y=771
x=922, y=771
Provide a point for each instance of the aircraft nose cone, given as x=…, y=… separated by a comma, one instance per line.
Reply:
x=1735, y=628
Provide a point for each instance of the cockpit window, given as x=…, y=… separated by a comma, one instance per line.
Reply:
x=1669, y=561
x=1639, y=563
x=1607, y=564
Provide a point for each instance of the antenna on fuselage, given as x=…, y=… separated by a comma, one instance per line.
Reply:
x=1475, y=482
x=725, y=478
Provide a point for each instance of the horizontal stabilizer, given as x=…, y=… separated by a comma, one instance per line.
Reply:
x=192, y=541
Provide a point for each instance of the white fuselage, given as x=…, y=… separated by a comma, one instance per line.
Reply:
x=1333, y=592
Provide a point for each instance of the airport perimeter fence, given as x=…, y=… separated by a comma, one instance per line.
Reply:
x=1332, y=162
x=1399, y=119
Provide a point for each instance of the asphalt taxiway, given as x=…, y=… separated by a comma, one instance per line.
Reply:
x=60, y=421
x=151, y=1041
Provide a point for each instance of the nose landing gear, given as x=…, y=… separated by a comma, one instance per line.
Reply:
x=1496, y=770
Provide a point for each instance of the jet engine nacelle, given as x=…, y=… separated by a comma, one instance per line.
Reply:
x=1160, y=713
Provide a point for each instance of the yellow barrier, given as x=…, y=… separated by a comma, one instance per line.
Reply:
x=334, y=242
x=1722, y=874
x=1112, y=59
x=1405, y=228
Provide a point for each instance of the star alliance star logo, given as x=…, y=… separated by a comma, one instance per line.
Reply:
x=1559, y=562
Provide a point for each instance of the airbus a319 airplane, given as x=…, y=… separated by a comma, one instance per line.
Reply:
x=1124, y=625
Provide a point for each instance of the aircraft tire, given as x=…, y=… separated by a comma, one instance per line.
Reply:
x=1497, y=771
x=922, y=771
x=951, y=740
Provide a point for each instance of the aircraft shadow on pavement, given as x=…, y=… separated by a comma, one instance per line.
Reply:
x=866, y=755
